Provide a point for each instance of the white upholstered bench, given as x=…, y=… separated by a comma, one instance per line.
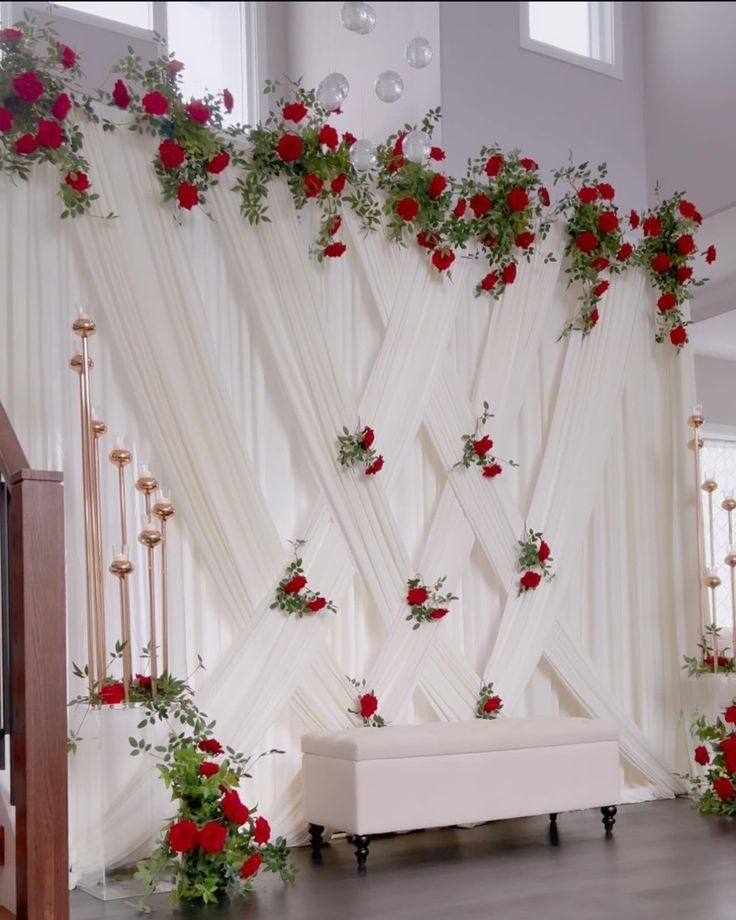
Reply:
x=367, y=781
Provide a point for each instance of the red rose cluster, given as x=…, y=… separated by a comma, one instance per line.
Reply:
x=427, y=604
x=535, y=559
x=721, y=775
x=366, y=706
x=489, y=703
x=358, y=448
x=291, y=596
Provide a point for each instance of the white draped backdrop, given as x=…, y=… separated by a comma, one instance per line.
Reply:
x=229, y=360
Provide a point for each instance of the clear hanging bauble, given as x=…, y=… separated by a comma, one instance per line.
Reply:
x=418, y=53
x=358, y=17
x=332, y=91
x=416, y=146
x=389, y=86
x=363, y=156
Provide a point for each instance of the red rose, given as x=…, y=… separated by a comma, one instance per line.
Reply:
x=661, y=262
x=587, y=241
x=508, y=273
x=530, y=580
x=295, y=111
x=26, y=145
x=334, y=250
x=395, y=164
x=208, y=768
x=11, y=35
x=335, y=226
x=588, y=194
x=261, y=832
x=438, y=613
x=724, y=789
x=427, y=240
x=600, y=263
x=338, y=183
x=459, y=209
x=368, y=705
x=78, y=181
x=28, y=87
x=188, y=195
x=155, y=103
x=684, y=273
x=442, y=259
x=687, y=209
x=492, y=704
x=730, y=714
x=227, y=100
x=198, y=111
x=251, y=866
x=606, y=191
x=494, y=165
x=349, y=138
x=480, y=204
x=6, y=119
x=61, y=106
x=113, y=693
x=601, y=288
x=634, y=219
x=212, y=837
x=543, y=196
x=524, y=240
x=666, y=302
x=170, y=154
x=436, y=153
x=686, y=245
x=529, y=165
x=544, y=552
x=437, y=186
x=678, y=336
x=316, y=604
x=375, y=467
x=312, y=185
x=489, y=472
x=329, y=137
x=295, y=585
x=710, y=255
x=417, y=596
x=652, y=226
x=607, y=222
x=482, y=446
x=489, y=282
x=120, y=95
x=143, y=681
x=624, y=252
x=233, y=809
x=701, y=755
x=289, y=147
x=594, y=317
x=517, y=199
x=731, y=762
x=218, y=162
x=67, y=56
x=728, y=745
x=407, y=209
x=368, y=437
x=182, y=836
x=49, y=134
x=210, y=746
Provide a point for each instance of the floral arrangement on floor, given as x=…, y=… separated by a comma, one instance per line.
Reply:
x=428, y=604
x=366, y=705
x=297, y=142
x=667, y=253
x=534, y=561
x=358, y=448
x=291, y=596
x=595, y=243
x=477, y=449
x=704, y=662
x=716, y=789
x=489, y=704
x=194, y=146
x=38, y=111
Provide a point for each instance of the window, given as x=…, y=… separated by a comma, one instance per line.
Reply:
x=584, y=33
x=139, y=15
x=718, y=462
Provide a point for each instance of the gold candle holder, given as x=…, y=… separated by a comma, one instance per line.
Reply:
x=120, y=457
x=729, y=504
x=147, y=484
x=730, y=561
x=150, y=537
x=163, y=509
x=695, y=422
x=98, y=429
x=121, y=567
x=712, y=581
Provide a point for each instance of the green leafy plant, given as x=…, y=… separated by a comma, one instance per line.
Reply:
x=427, y=603
x=366, y=705
x=715, y=788
x=478, y=447
x=358, y=448
x=489, y=703
x=292, y=594
x=705, y=661
x=534, y=561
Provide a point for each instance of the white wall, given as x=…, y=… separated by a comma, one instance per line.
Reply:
x=715, y=381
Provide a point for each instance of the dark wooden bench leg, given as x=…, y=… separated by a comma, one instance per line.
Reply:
x=609, y=817
x=361, y=843
x=553, y=817
x=315, y=839
x=554, y=838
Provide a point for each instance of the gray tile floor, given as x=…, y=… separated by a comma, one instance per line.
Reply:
x=664, y=862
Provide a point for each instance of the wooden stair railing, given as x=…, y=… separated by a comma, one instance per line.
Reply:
x=35, y=716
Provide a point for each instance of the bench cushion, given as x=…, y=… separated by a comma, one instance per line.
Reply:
x=437, y=738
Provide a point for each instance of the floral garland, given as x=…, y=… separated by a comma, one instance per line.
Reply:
x=534, y=561
x=358, y=448
x=427, y=604
x=716, y=790
x=595, y=243
x=477, y=449
x=366, y=706
x=489, y=703
x=666, y=254
x=290, y=594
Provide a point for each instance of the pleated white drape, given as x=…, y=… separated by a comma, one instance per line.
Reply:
x=231, y=361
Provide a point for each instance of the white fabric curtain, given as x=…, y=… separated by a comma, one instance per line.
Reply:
x=230, y=361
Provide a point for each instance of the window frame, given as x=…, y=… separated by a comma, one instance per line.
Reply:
x=609, y=27
x=101, y=22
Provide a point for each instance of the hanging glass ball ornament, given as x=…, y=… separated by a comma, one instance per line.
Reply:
x=389, y=86
x=416, y=146
x=363, y=156
x=358, y=17
x=332, y=91
x=418, y=53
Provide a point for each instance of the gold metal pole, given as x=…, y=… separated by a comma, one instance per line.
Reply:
x=712, y=581
x=695, y=422
x=163, y=509
x=150, y=537
x=728, y=504
x=121, y=567
x=730, y=561
x=98, y=428
x=121, y=457
x=147, y=484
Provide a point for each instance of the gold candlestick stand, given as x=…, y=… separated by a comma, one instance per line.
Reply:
x=163, y=509
x=695, y=422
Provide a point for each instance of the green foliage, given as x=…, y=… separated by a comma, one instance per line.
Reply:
x=485, y=695
x=713, y=736
x=351, y=448
x=705, y=662
x=296, y=600
x=478, y=456
x=534, y=557
x=434, y=607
